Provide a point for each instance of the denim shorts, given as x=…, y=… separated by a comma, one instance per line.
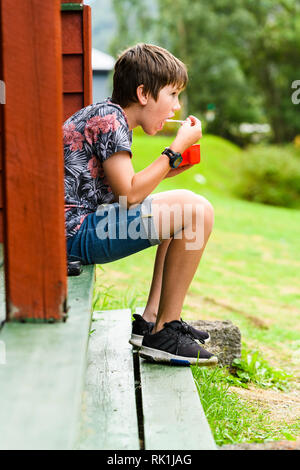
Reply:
x=113, y=232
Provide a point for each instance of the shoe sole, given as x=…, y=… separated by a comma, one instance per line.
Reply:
x=156, y=355
x=137, y=340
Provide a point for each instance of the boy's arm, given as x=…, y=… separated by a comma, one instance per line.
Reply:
x=137, y=186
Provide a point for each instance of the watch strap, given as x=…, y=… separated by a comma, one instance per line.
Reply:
x=175, y=158
x=170, y=153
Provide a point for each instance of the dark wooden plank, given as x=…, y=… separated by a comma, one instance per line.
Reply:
x=87, y=57
x=73, y=73
x=72, y=32
x=1, y=103
x=34, y=225
x=1, y=137
x=43, y=379
x=1, y=226
x=109, y=419
x=1, y=189
x=72, y=103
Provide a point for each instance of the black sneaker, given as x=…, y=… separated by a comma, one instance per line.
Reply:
x=200, y=336
x=174, y=345
x=139, y=328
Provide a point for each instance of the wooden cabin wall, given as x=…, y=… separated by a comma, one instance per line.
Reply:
x=76, y=50
x=45, y=62
x=1, y=149
x=35, y=245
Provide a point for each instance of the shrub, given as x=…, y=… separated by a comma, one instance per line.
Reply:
x=269, y=175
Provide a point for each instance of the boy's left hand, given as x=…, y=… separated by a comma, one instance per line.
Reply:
x=177, y=171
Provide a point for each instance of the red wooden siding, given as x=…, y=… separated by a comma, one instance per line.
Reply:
x=77, y=52
x=1, y=149
x=34, y=233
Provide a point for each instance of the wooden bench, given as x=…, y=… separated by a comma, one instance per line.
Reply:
x=63, y=387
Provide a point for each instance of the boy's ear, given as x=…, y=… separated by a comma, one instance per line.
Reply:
x=142, y=96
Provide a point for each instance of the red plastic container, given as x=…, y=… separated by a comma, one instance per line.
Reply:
x=191, y=156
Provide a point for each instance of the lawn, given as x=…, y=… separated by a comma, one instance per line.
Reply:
x=249, y=273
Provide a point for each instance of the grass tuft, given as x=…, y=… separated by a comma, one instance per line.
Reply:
x=232, y=419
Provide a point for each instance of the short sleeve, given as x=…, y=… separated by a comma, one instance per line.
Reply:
x=108, y=132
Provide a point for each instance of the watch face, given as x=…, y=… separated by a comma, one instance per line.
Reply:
x=177, y=161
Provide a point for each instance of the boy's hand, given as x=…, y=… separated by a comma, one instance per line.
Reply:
x=188, y=134
x=177, y=171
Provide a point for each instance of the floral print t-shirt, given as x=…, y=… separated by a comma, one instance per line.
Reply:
x=91, y=136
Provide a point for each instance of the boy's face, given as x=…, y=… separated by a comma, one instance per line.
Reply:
x=155, y=113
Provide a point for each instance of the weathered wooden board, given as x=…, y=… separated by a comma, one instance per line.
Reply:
x=42, y=380
x=173, y=414
x=109, y=419
x=34, y=192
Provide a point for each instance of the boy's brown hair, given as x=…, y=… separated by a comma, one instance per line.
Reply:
x=148, y=65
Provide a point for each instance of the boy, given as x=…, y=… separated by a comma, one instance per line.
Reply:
x=106, y=201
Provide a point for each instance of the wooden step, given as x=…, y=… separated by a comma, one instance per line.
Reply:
x=173, y=415
x=164, y=411
x=42, y=380
x=109, y=419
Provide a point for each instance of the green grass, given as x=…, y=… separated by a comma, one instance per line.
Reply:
x=250, y=268
x=232, y=419
x=215, y=155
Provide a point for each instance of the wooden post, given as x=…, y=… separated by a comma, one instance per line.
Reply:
x=77, y=56
x=2, y=101
x=34, y=232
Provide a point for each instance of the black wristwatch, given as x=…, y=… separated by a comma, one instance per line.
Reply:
x=174, y=158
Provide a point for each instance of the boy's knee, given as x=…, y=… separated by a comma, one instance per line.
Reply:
x=209, y=215
x=203, y=214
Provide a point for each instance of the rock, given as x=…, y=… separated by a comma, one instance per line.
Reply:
x=225, y=339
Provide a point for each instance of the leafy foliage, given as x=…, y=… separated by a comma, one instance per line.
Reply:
x=242, y=56
x=270, y=175
x=252, y=367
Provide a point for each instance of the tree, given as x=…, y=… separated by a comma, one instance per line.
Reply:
x=242, y=56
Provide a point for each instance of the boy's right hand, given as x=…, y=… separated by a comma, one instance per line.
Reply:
x=188, y=134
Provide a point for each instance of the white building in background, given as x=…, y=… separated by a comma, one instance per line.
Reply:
x=102, y=64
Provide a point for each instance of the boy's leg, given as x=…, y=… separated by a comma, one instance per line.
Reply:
x=180, y=263
x=151, y=309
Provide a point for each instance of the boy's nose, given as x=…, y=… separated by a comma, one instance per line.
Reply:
x=177, y=105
